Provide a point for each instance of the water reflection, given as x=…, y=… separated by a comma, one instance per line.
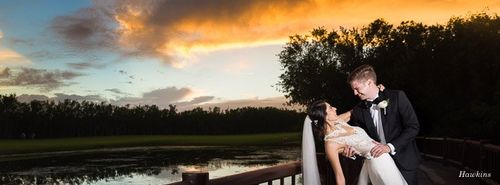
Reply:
x=149, y=165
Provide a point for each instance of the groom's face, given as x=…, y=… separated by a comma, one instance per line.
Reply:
x=361, y=88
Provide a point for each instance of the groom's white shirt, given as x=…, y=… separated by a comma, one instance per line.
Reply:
x=377, y=121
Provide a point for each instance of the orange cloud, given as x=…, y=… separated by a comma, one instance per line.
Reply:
x=175, y=30
x=9, y=57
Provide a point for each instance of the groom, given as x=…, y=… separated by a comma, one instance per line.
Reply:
x=388, y=117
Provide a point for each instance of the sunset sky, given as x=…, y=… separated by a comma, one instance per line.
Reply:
x=184, y=52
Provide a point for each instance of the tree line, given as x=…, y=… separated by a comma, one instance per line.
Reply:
x=450, y=72
x=49, y=119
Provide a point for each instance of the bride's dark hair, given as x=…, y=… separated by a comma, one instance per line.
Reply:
x=317, y=113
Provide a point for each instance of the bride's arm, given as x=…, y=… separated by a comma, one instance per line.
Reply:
x=332, y=150
x=345, y=116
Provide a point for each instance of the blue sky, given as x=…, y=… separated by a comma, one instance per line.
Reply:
x=184, y=52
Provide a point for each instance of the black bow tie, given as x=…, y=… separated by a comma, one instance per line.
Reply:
x=369, y=104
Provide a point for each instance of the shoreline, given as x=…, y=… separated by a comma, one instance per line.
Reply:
x=38, y=148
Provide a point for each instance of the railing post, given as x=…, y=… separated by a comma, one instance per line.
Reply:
x=445, y=148
x=482, y=154
x=424, y=148
x=195, y=178
x=464, y=145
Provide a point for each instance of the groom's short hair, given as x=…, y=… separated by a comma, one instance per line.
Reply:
x=363, y=72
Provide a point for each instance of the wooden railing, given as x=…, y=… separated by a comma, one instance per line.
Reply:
x=465, y=154
x=279, y=172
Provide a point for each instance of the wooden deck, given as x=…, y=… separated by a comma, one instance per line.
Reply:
x=444, y=160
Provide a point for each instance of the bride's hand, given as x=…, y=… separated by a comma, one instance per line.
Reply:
x=348, y=152
x=381, y=87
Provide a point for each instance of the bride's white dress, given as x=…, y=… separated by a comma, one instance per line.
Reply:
x=379, y=171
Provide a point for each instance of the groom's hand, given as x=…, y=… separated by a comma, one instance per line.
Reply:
x=379, y=149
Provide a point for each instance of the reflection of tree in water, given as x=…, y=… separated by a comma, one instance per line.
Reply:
x=92, y=167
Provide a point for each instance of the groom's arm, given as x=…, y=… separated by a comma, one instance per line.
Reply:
x=409, y=122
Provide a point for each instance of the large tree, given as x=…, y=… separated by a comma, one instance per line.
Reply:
x=450, y=72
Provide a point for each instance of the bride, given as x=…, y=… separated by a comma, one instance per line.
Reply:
x=323, y=119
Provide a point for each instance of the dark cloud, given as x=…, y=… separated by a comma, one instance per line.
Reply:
x=171, y=30
x=21, y=42
x=41, y=78
x=60, y=97
x=160, y=29
x=167, y=95
x=117, y=91
x=163, y=98
x=87, y=29
x=159, y=97
x=30, y=97
x=175, y=11
x=42, y=55
x=93, y=98
x=86, y=65
x=39, y=54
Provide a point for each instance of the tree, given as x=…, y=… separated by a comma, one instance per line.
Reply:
x=70, y=118
x=450, y=72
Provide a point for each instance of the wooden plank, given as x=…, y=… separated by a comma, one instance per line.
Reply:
x=260, y=176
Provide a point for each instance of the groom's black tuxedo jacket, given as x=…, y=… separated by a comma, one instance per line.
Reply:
x=400, y=125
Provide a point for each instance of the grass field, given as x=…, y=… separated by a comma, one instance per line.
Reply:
x=23, y=146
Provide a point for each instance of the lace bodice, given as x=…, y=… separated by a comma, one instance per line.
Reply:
x=359, y=140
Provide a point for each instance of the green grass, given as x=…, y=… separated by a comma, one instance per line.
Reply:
x=23, y=146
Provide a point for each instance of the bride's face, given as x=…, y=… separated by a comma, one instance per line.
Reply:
x=331, y=112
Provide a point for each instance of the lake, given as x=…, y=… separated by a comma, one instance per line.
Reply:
x=142, y=165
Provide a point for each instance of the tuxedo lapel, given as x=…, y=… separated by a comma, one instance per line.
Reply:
x=385, y=122
x=388, y=122
x=370, y=126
